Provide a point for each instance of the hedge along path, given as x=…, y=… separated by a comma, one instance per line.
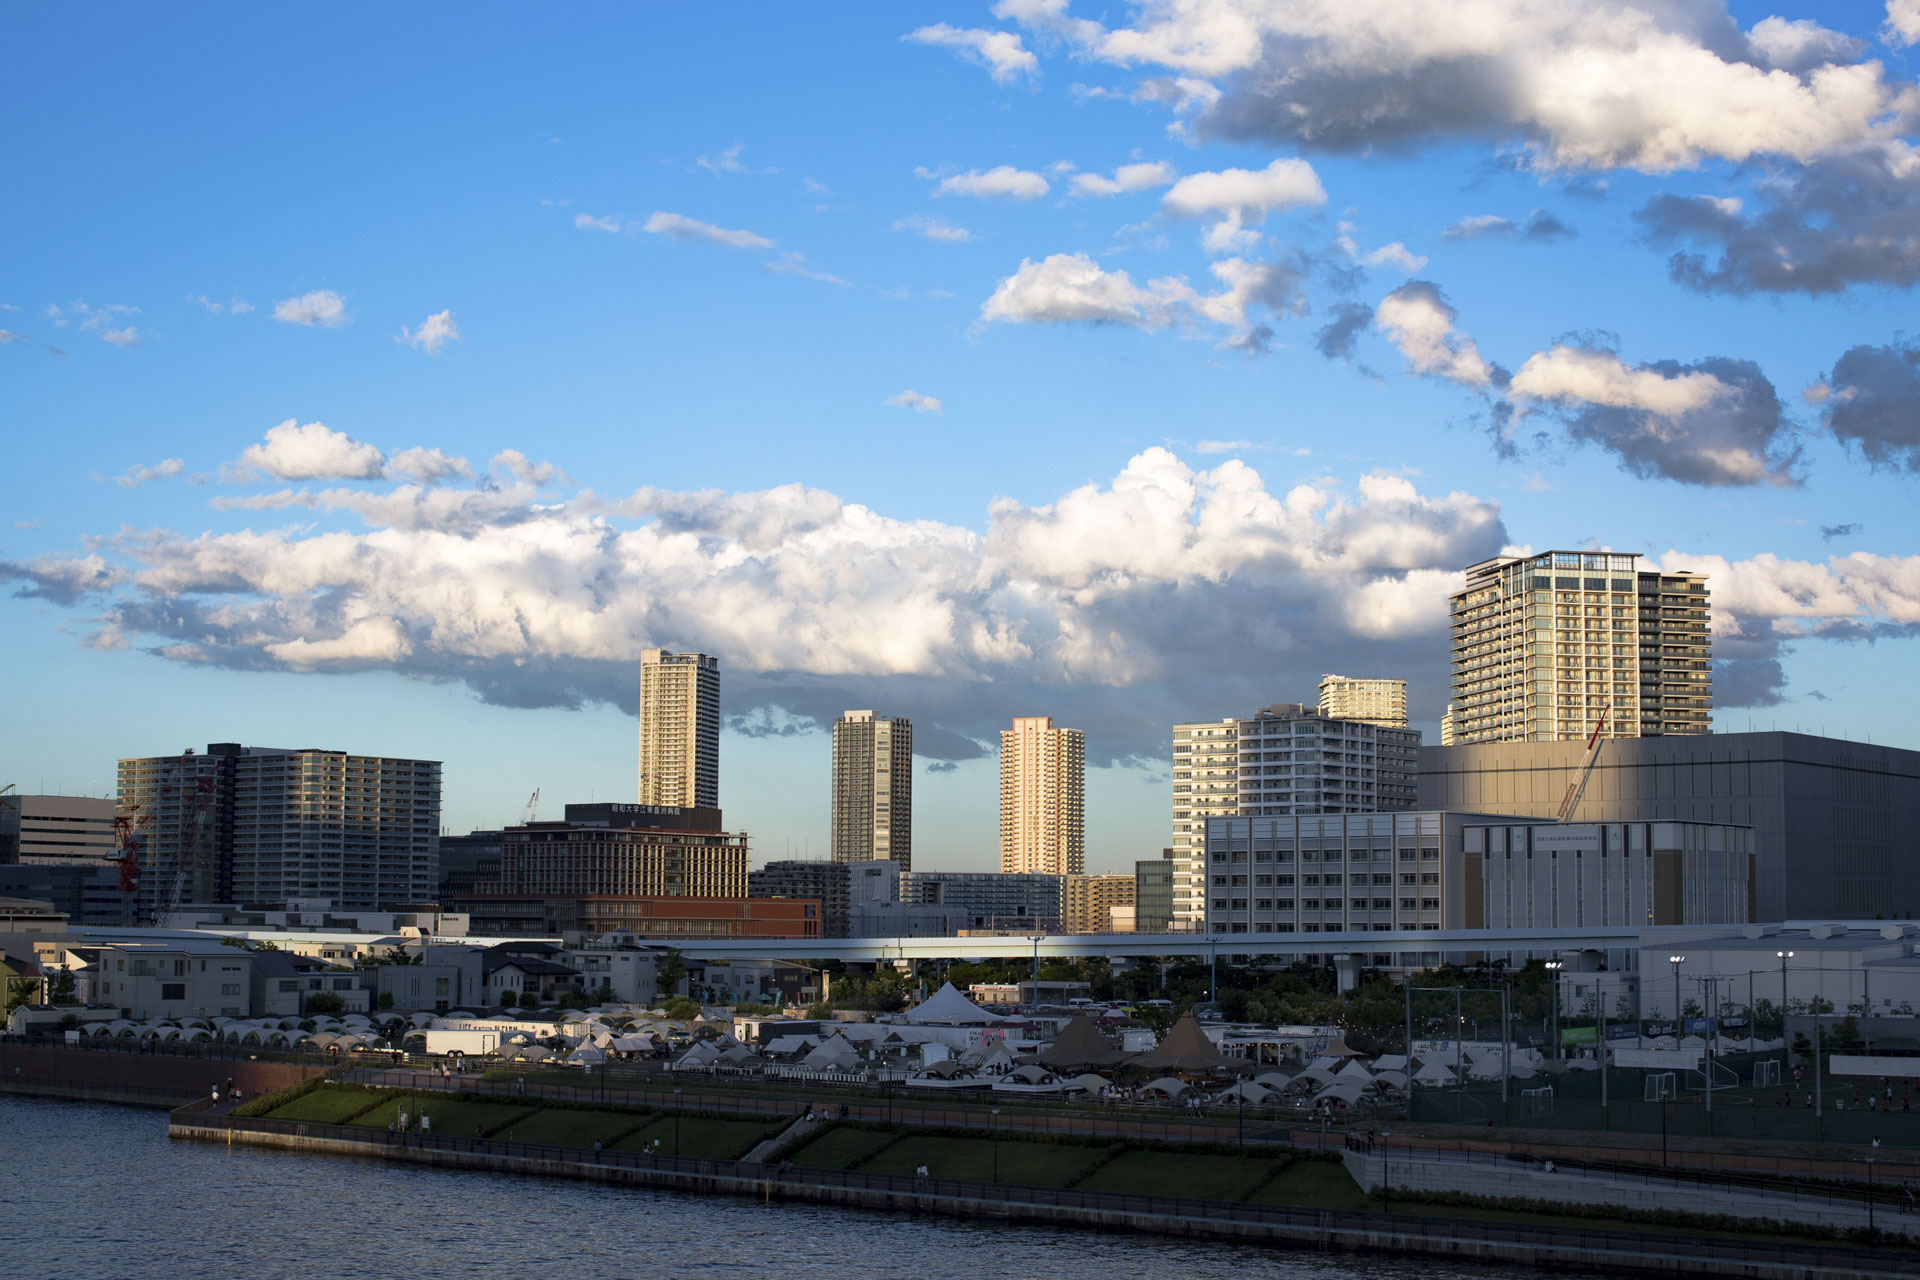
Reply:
x=452, y=1117
x=570, y=1128
x=702, y=1137
x=329, y=1106
x=973, y=1159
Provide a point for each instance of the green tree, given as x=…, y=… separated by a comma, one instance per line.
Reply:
x=386, y=999
x=681, y=1009
x=62, y=990
x=325, y=1002
x=572, y=1000
x=669, y=969
x=21, y=991
x=509, y=998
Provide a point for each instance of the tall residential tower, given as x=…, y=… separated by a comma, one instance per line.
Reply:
x=1372, y=700
x=1042, y=798
x=873, y=789
x=679, y=729
x=1546, y=645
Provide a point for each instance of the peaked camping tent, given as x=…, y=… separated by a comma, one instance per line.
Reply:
x=949, y=1008
x=1186, y=1048
x=1080, y=1044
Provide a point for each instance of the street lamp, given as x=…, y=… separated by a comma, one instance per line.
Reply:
x=996, y=1146
x=1784, y=957
x=1678, y=1025
x=1869, y=1162
x=1036, y=940
x=676, y=1122
x=1553, y=971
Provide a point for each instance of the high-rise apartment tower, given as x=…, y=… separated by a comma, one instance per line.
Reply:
x=1283, y=760
x=1375, y=701
x=679, y=729
x=1545, y=646
x=1042, y=798
x=873, y=789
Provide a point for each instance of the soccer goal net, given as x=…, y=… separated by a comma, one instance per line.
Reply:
x=1661, y=1086
x=1766, y=1072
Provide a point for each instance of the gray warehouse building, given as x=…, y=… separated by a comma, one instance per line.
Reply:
x=1836, y=824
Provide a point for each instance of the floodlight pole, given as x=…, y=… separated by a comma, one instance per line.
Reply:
x=1035, y=939
x=1553, y=972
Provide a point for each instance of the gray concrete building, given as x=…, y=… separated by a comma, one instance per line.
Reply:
x=1836, y=824
x=61, y=829
x=988, y=901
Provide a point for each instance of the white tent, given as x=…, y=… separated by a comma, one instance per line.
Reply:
x=701, y=1055
x=1392, y=1062
x=784, y=1046
x=1344, y=1092
x=587, y=1055
x=1356, y=1072
x=947, y=1006
x=1085, y=1084
x=1252, y=1094
x=836, y=1052
x=1435, y=1075
x=1168, y=1086
x=1395, y=1080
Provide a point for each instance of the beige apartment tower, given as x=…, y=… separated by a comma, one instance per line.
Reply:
x=1381, y=701
x=1042, y=798
x=679, y=729
x=1546, y=646
x=873, y=789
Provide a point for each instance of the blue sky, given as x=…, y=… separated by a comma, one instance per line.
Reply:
x=389, y=384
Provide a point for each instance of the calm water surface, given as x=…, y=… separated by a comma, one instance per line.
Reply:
x=97, y=1191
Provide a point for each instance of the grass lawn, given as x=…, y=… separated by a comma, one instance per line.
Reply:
x=1314, y=1184
x=328, y=1105
x=1030, y=1164
x=1167, y=1173
x=702, y=1137
x=840, y=1148
x=566, y=1128
x=452, y=1118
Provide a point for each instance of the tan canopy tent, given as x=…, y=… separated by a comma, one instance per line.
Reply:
x=1186, y=1048
x=1080, y=1044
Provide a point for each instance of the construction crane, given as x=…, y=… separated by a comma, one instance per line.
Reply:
x=1578, y=787
x=531, y=813
x=133, y=827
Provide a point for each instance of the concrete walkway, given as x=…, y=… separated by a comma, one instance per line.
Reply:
x=1514, y=1180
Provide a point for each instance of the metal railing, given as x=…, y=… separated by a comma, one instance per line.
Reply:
x=1323, y=1225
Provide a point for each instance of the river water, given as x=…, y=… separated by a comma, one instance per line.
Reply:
x=90, y=1191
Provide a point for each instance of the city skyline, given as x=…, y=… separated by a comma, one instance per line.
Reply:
x=1038, y=358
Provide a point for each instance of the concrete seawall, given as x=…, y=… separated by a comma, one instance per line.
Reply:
x=140, y=1079
x=1325, y=1230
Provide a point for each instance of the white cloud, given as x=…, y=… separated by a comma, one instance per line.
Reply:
x=607, y=222
x=1582, y=83
x=1419, y=321
x=1223, y=446
x=911, y=399
x=1799, y=46
x=1393, y=254
x=434, y=332
x=428, y=466
x=313, y=451
x=995, y=183
x=1599, y=377
x=933, y=229
x=1000, y=52
x=1074, y=289
x=98, y=321
x=678, y=227
x=321, y=309
x=8, y=335
x=1903, y=23
x=1143, y=176
x=135, y=476
x=234, y=306
x=1239, y=197
x=795, y=264
x=728, y=161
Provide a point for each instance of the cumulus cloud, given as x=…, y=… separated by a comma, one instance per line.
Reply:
x=106, y=323
x=1594, y=84
x=1129, y=585
x=1823, y=228
x=1418, y=319
x=933, y=229
x=1143, y=176
x=321, y=309
x=1223, y=446
x=1337, y=338
x=1000, y=52
x=1000, y=182
x=1799, y=46
x=606, y=222
x=727, y=162
x=312, y=451
x=135, y=476
x=428, y=466
x=1828, y=532
x=434, y=332
x=1242, y=197
x=911, y=399
x=676, y=226
x=1902, y=27
x=234, y=306
x=1871, y=402
x=1071, y=288
x=8, y=335
x=1717, y=422
x=1539, y=225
